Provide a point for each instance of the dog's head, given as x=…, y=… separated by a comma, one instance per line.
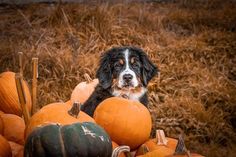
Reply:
x=125, y=68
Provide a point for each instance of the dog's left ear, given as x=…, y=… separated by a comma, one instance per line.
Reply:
x=149, y=70
x=104, y=73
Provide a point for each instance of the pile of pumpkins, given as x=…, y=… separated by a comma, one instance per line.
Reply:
x=119, y=127
x=12, y=125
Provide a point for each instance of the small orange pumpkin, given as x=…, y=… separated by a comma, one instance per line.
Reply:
x=156, y=153
x=15, y=148
x=20, y=153
x=83, y=90
x=115, y=145
x=163, y=145
x=172, y=149
x=9, y=101
x=182, y=151
x=62, y=113
x=1, y=125
x=127, y=122
x=5, y=149
x=13, y=128
x=185, y=155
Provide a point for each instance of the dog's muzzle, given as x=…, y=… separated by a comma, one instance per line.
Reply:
x=127, y=78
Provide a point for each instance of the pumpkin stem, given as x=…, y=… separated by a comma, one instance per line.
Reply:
x=161, y=138
x=87, y=78
x=74, y=111
x=144, y=149
x=180, y=148
x=116, y=152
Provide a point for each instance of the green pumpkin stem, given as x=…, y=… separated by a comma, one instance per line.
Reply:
x=116, y=152
x=74, y=111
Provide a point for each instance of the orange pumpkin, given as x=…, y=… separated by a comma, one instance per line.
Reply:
x=127, y=122
x=120, y=150
x=158, y=153
x=83, y=90
x=20, y=153
x=9, y=101
x=115, y=145
x=185, y=155
x=182, y=151
x=163, y=145
x=13, y=128
x=5, y=149
x=1, y=125
x=15, y=148
x=62, y=113
x=166, y=148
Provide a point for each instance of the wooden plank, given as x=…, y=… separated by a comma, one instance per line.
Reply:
x=34, y=84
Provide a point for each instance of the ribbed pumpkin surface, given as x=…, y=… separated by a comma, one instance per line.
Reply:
x=13, y=128
x=75, y=140
x=15, y=148
x=9, y=101
x=5, y=149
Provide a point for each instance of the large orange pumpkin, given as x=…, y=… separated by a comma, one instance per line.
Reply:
x=83, y=90
x=13, y=128
x=62, y=113
x=9, y=101
x=163, y=145
x=5, y=149
x=127, y=122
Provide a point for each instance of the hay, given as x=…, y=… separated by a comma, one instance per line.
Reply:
x=192, y=42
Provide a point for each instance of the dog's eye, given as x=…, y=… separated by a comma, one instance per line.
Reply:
x=132, y=60
x=121, y=61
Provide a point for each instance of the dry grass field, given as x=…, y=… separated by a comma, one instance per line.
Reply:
x=192, y=42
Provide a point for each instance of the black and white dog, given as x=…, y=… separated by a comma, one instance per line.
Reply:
x=123, y=72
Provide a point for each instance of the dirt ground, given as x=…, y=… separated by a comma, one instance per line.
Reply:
x=192, y=42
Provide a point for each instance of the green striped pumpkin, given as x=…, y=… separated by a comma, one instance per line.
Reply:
x=76, y=140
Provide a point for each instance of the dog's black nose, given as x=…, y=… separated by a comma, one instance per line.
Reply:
x=127, y=77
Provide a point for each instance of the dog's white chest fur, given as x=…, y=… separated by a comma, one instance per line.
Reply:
x=129, y=94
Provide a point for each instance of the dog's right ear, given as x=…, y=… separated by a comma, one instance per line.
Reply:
x=104, y=73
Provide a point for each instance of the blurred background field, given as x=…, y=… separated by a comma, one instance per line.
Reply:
x=193, y=42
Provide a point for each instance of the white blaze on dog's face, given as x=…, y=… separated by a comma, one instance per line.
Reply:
x=127, y=77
